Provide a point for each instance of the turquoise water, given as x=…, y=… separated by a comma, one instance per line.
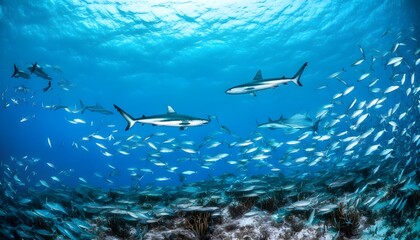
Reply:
x=144, y=56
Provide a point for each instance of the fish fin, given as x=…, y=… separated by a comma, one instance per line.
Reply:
x=47, y=87
x=296, y=78
x=316, y=125
x=170, y=110
x=82, y=106
x=226, y=129
x=16, y=70
x=34, y=67
x=258, y=76
x=254, y=94
x=182, y=128
x=130, y=120
x=363, y=53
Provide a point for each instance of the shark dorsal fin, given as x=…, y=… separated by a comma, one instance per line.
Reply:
x=33, y=67
x=258, y=76
x=170, y=110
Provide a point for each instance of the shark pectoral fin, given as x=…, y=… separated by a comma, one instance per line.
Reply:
x=254, y=94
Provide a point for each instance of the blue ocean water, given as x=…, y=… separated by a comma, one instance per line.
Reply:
x=146, y=55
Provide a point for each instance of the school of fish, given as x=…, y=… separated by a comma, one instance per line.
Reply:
x=359, y=151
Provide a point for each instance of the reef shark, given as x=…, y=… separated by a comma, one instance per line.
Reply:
x=96, y=108
x=170, y=119
x=259, y=83
x=296, y=122
x=37, y=70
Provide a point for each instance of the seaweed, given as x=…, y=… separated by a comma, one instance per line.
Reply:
x=237, y=210
x=243, y=205
x=118, y=227
x=198, y=222
x=270, y=203
x=346, y=221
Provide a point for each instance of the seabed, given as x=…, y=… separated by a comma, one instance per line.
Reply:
x=226, y=207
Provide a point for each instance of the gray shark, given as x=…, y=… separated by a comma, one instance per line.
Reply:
x=259, y=83
x=37, y=70
x=170, y=119
x=296, y=122
x=96, y=108
x=19, y=73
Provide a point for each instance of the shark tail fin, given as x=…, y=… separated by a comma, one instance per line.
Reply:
x=16, y=70
x=82, y=106
x=130, y=120
x=296, y=78
x=316, y=125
